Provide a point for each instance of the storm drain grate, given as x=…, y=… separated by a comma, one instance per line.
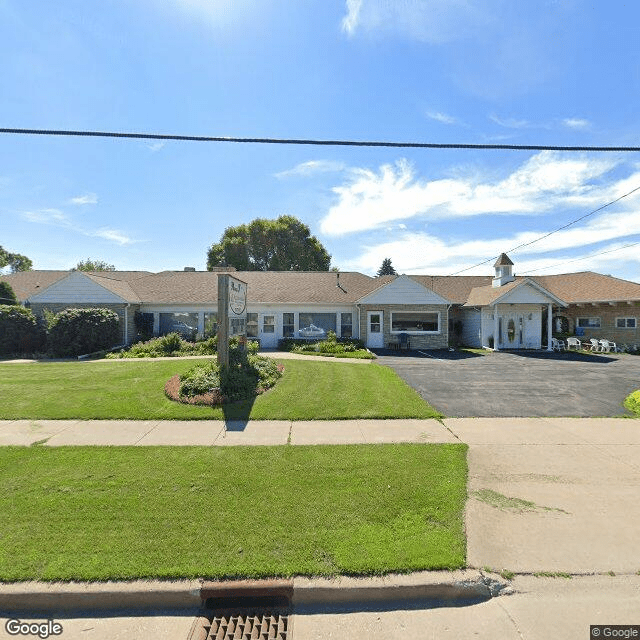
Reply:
x=244, y=618
x=260, y=625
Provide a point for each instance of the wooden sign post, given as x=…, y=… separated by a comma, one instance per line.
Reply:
x=232, y=314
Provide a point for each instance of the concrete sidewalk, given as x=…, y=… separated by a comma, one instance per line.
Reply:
x=218, y=433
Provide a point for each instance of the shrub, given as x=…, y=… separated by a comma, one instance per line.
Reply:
x=170, y=345
x=74, y=332
x=7, y=296
x=247, y=375
x=340, y=347
x=632, y=402
x=20, y=331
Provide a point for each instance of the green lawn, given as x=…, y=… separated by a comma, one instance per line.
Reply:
x=101, y=513
x=128, y=389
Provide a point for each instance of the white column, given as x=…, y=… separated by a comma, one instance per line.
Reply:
x=156, y=324
x=549, y=326
x=496, y=328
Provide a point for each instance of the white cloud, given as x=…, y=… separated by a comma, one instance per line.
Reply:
x=369, y=200
x=351, y=20
x=432, y=21
x=58, y=218
x=444, y=118
x=47, y=216
x=111, y=234
x=576, y=123
x=89, y=198
x=510, y=123
x=312, y=167
x=155, y=146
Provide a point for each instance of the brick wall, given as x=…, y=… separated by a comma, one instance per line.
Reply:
x=426, y=341
x=55, y=307
x=607, y=314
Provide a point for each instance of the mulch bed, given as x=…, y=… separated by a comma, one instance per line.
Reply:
x=172, y=391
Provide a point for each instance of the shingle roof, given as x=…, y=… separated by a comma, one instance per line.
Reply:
x=454, y=288
x=188, y=287
x=28, y=283
x=503, y=260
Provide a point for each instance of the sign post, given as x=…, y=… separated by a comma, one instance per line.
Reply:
x=232, y=314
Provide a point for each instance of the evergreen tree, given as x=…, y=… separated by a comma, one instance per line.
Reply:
x=386, y=268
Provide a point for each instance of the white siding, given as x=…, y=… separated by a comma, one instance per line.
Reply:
x=471, y=328
x=525, y=294
x=403, y=290
x=76, y=288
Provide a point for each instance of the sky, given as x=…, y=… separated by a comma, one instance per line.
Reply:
x=544, y=72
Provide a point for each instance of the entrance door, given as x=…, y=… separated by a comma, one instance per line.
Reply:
x=512, y=330
x=375, y=334
x=267, y=331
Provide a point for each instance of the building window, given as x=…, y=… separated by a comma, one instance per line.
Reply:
x=415, y=322
x=626, y=323
x=346, y=325
x=288, y=325
x=252, y=325
x=316, y=325
x=268, y=324
x=588, y=323
x=186, y=324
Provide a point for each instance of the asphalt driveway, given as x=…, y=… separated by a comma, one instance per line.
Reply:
x=519, y=384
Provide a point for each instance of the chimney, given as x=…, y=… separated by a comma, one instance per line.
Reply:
x=189, y=268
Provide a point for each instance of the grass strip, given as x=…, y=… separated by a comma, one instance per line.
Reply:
x=128, y=389
x=102, y=513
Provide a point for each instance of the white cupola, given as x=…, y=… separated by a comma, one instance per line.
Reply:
x=504, y=271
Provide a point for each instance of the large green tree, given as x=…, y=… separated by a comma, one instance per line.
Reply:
x=7, y=295
x=285, y=244
x=93, y=265
x=15, y=261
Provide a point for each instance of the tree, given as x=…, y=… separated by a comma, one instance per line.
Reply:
x=284, y=244
x=15, y=261
x=386, y=268
x=93, y=265
x=7, y=295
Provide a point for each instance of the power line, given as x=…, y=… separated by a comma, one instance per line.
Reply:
x=304, y=141
x=546, y=235
x=593, y=255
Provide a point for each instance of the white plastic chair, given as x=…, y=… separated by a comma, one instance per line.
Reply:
x=595, y=345
x=606, y=346
x=574, y=342
x=558, y=345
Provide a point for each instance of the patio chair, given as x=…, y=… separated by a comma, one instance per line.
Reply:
x=606, y=346
x=558, y=345
x=574, y=342
x=595, y=345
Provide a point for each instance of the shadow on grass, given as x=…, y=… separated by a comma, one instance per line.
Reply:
x=236, y=414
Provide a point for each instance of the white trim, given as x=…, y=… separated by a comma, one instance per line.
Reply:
x=625, y=318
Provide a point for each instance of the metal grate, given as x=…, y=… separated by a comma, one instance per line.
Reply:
x=254, y=625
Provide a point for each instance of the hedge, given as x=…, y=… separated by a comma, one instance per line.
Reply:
x=74, y=332
x=20, y=331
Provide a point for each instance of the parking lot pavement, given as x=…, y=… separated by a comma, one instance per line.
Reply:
x=523, y=383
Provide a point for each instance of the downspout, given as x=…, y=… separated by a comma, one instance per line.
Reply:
x=126, y=323
x=358, y=308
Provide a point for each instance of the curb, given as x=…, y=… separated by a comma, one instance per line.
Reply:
x=453, y=588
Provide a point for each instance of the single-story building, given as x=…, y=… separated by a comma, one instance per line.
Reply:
x=502, y=311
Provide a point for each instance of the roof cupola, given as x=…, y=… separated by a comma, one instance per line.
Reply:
x=504, y=271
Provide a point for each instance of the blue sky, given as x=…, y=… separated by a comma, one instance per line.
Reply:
x=557, y=72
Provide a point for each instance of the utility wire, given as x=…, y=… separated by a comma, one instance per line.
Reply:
x=546, y=235
x=593, y=255
x=303, y=141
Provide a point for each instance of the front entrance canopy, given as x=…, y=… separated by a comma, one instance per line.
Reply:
x=516, y=312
